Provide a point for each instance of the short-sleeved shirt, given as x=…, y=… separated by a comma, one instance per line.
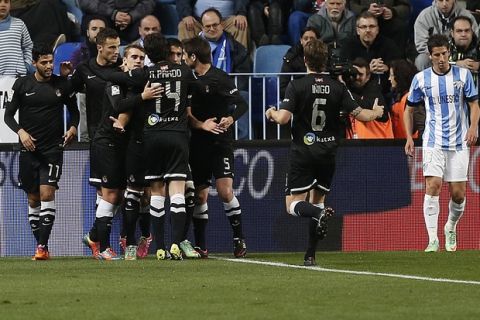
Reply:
x=447, y=113
x=315, y=102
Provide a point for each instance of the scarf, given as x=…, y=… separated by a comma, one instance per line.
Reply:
x=5, y=23
x=221, y=57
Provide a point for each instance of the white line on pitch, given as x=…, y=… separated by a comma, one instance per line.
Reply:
x=363, y=273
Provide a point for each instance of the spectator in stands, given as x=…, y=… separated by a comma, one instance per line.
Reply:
x=436, y=19
x=392, y=15
x=474, y=7
x=334, y=22
x=265, y=18
x=234, y=11
x=293, y=61
x=374, y=47
x=175, y=51
x=46, y=20
x=89, y=48
x=401, y=75
x=15, y=43
x=302, y=10
x=124, y=16
x=148, y=25
x=227, y=53
x=464, y=50
x=365, y=91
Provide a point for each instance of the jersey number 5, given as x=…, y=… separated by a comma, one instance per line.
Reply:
x=170, y=95
x=318, y=116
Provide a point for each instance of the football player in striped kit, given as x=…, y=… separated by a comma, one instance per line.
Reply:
x=451, y=126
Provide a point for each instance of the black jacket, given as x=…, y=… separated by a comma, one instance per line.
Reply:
x=292, y=62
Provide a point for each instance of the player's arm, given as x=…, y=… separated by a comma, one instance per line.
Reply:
x=408, y=123
x=230, y=92
x=9, y=118
x=471, y=94
x=281, y=116
x=72, y=107
x=287, y=107
x=209, y=125
x=149, y=92
x=472, y=133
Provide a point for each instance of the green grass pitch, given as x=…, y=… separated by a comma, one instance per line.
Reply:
x=82, y=288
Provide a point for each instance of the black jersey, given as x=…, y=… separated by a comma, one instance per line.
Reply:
x=315, y=102
x=214, y=94
x=90, y=76
x=112, y=98
x=167, y=113
x=40, y=106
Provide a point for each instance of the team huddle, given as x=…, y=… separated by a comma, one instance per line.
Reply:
x=162, y=131
x=143, y=149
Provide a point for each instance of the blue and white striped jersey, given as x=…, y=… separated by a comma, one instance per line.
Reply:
x=446, y=109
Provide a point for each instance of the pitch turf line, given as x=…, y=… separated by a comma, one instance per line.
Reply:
x=362, y=273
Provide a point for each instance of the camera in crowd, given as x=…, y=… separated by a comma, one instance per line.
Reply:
x=337, y=66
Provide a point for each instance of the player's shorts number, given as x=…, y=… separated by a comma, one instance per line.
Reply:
x=226, y=161
x=170, y=95
x=54, y=170
x=318, y=116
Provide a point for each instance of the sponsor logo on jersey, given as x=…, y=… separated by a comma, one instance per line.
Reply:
x=152, y=119
x=309, y=139
x=28, y=94
x=115, y=90
x=58, y=93
x=91, y=77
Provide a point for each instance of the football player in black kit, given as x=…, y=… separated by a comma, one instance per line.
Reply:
x=40, y=98
x=165, y=139
x=314, y=102
x=109, y=155
x=211, y=150
x=90, y=75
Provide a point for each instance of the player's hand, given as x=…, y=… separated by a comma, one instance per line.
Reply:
x=69, y=135
x=66, y=68
x=226, y=122
x=117, y=125
x=269, y=113
x=189, y=22
x=471, y=136
x=377, y=109
x=409, y=147
x=27, y=140
x=152, y=91
x=241, y=22
x=211, y=126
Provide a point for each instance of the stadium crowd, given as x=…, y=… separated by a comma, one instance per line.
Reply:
x=374, y=46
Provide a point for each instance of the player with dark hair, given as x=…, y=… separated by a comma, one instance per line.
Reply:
x=165, y=140
x=176, y=50
x=39, y=98
x=90, y=76
x=211, y=150
x=313, y=103
x=451, y=127
x=137, y=195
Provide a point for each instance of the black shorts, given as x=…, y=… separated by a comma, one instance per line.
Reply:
x=308, y=172
x=135, y=164
x=109, y=164
x=95, y=179
x=166, y=156
x=207, y=159
x=40, y=168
